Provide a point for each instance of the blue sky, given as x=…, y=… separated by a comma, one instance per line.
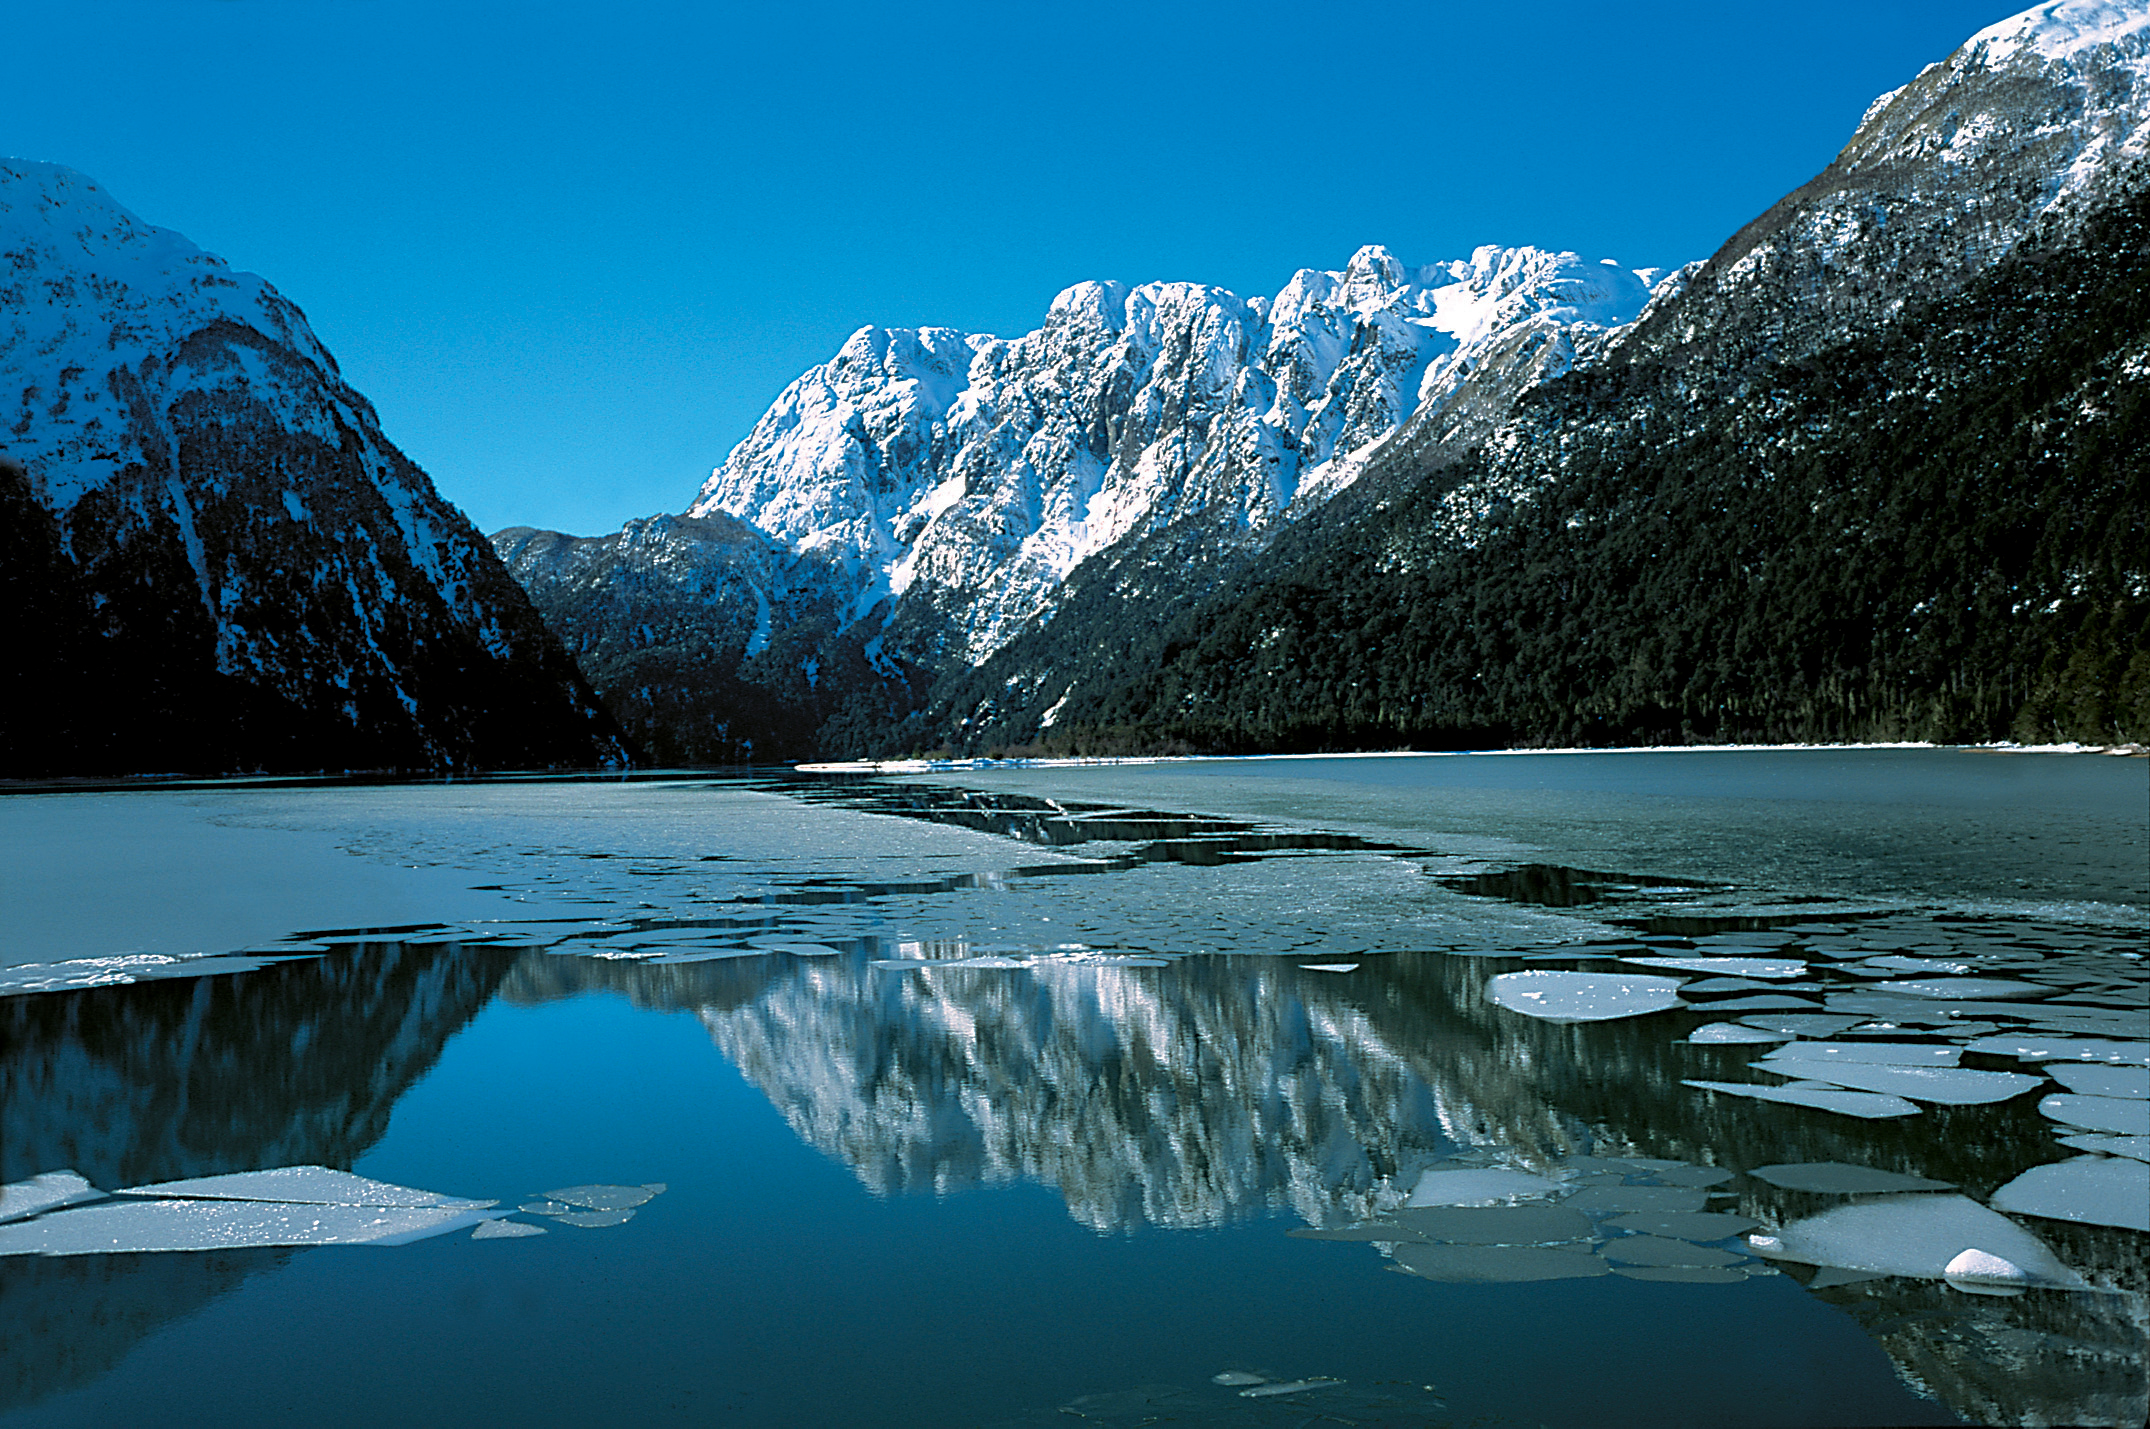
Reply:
x=571, y=251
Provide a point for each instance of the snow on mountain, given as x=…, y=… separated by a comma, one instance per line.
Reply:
x=234, y=563
x=977, y=471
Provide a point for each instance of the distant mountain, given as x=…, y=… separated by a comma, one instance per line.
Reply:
x=1874, y=470
x=935, y=488
x=212, y=558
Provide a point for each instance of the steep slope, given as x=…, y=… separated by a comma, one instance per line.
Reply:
x=213, y=558
x=1874, y=470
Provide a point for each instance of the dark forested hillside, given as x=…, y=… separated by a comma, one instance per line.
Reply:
x=1936, y=532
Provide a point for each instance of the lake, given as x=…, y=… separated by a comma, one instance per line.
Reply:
x=1563, y=1089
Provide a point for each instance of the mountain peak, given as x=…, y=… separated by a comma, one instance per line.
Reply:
x=2064, y=28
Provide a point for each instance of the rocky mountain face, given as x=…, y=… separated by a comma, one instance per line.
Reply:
x=1874, y=470
x=212, y=556
x=935, y=489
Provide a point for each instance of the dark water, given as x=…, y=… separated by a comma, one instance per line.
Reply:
x=1052, y=1178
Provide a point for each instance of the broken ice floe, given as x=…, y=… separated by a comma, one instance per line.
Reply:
x=1732, y=1034
x=1870, y=1105
x=1294, y=1386
x=2099, y=1190
x=1581, y=997
x=1605, y=1199
x=1664, y=1251
x=1687, y=1274
x=2121, y=1116
x=1951, y=1086
x=1987, y=988
x=48, y=1192
x=1497, y=1263
x=1725, y=967
x=1495, y=1225
x=608, y=1198
x=77, y=974
x=1916, y=1235
x=505, y=1230
x=1903, y=1054
x=307, y=1185
x=1233, y=1378
x=1330, y=967
x=2093, y=1081
x=129, y=1226
x=2064, y=1049
x=2135, y=1146
x=1478, y=1187
x=1842, y=1178
x=1803, y=1024
x=1684, y=1225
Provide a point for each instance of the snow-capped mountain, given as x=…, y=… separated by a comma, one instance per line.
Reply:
x=976, y=472
x=215, y=558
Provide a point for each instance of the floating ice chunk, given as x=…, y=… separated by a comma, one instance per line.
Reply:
x=1330, y=967
x=1726, y=967
x=1901, y=1054
x=1684, y=1274
x=2103, y=1081
x=1950, y=1086
x=1295, y=1386
x=545, y=1208
x=1236, y=1377
x=1483, y=1186
x=1979, y=1272
x=310, y=1185
x=1581, y=997
x=1497, y=1263
x=505, y=1230
x=2036, y=1048
x=1917, y=1235
x=1694, y=1175
x=607, y=1198
x=2123, y=1116
x=46, y=1192
x=1803, y=1024
x=1772, y=1002
x=1718, y=1034
x=1989, y=988
x=2099, y=1190
x=2135, y=1146
x=1497, y=1225
x=799, y=950
x=126, y=1227
x=1600, y=1199
x=1683, y=1225
x=1840, y=1178
x=1657, y=1250
x=1898, y=963
x=1364, y=1231
x=594, y=1220
x=1864, y=1104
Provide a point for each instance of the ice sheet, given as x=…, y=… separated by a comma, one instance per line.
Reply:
x=1915, y=1235
x=310, y=1185
x=1478, y=1187
x=45, y=1192
x=1869, y=1105
x=2100, y=1190
x=2093, y=1081
x=2122, y=1116
x=125, y=1227
x=1842, y=1178
x=1581, y=997
x=1950, y=1086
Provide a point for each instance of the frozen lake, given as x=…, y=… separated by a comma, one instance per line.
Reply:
x=1712, y=1088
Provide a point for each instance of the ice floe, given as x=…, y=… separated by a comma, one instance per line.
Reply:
x=308, y=1185
x=2135, y=1146
x=2093, y=1081
x=1916, y=1235
x=130, y=1226
x=1843, y=1179
x=1684, y=1225
x=1603, y=1199
x=1498, y=1263
x=1582, y=997
x=1685, y=1274
x=2033, y=1048
x=594, y=1220
x=1979, y=1272
x=607, y=1198
x=1870, y=1105
x=1663, y=1250
x=1725, y=967
x=1292, y=1386
x=1497, y=1225
x=505, y=1230
x=1951, y=1086
x=1987, y=988
x=1330, y=967
x=1233, y=1378
x=1901, y=1054
x=1720, y=1034
x=46, y=1192
x=1803, y=1024
x=2099, y=1190
x=2122, y=1116
x=1482, y=1186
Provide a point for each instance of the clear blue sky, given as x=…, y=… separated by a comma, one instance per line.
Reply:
x=571, y=251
